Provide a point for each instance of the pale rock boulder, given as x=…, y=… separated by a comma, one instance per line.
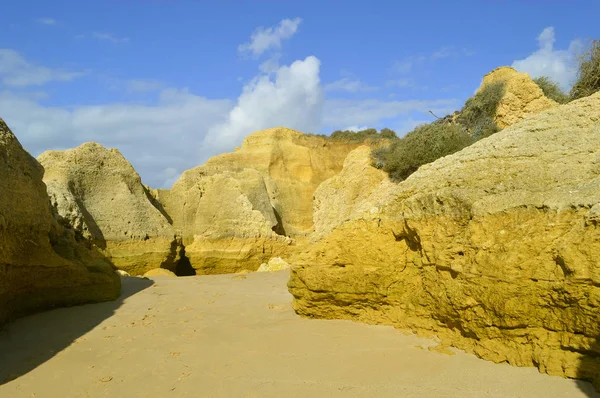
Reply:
x=240, y=209
x=522, y=96
x=495, y=249
x=98, y=193
x=41, y=264
x=274, y=264
x=345, y=194
x=159, y=272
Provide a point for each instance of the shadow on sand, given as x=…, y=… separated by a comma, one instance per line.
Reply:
x=589, y=369
x=28, y=342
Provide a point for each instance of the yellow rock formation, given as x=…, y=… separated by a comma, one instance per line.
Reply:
x=522, y=96
x=345, y=194
x=98, y=192
x=495, y=249
x=41, y=264
x=242, y=208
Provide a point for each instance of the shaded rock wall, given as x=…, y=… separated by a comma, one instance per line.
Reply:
x=41, y=263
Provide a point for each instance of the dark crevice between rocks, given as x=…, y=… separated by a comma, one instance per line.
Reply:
x=278, y=228
x=183, y=266
x=157, y=205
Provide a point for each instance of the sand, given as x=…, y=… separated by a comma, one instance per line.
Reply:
x=237, y=336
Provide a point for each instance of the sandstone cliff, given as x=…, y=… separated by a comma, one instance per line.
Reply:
x=495, y=249
x=98, y=192
x=240, y=209
x=345, y=194
x=522, y=96
x=41, y=264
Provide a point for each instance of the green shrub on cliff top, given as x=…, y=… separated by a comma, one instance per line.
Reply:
x=362, y=135
x=423, y=145
x=477, y=116
x=588, y=73
x=551, y=89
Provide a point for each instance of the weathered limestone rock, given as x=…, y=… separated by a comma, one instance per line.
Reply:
x=41, y=264
x=159, y=272
x=496, y=249
x=98, y=192
x=345, y=194
x=240, y=209
x=274, y=264
x=522, y=97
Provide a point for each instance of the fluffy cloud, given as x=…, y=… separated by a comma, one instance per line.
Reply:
x=344, y=112
x=349, y=85
x=142, y=85
x=407, y=64
x=400, y=83
x=180, y=129
x=17, y=72
x=292, y=98
x=109, y=37
x=558, y=65
x=160, y=141
x=264, y=39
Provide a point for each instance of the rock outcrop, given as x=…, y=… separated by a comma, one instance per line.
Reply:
x=98, y=192
x=495, y=249
x=159, y=272
x=240, y=209
x=274, y=264
x=522, y=96
x=41, y=264
x=345, y=194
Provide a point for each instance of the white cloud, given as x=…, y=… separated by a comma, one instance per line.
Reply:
x=349, y=85
x=407, y=64
x=264, y=39
x=182, y=129
x=271, y=65
x=18, y=72
x=46, y=21
x=354, y=128
x=293, y=98
x=343, y=112
x=160, y=141
x=558, y=65
x=110, y=37
x=443, y=52
x=400, y=83
x=142, y=86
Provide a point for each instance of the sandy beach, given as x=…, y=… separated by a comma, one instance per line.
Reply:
x=237, y=336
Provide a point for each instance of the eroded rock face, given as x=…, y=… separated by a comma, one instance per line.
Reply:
x=496, y=249
x=98, y=192
x=240, y=209
x=274, y=264
x=345, y=195
x=41, y=264
x=522, y=97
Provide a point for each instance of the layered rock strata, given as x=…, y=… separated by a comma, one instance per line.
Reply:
x=495, y=249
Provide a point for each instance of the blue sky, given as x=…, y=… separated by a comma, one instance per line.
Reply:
x=170, y=83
